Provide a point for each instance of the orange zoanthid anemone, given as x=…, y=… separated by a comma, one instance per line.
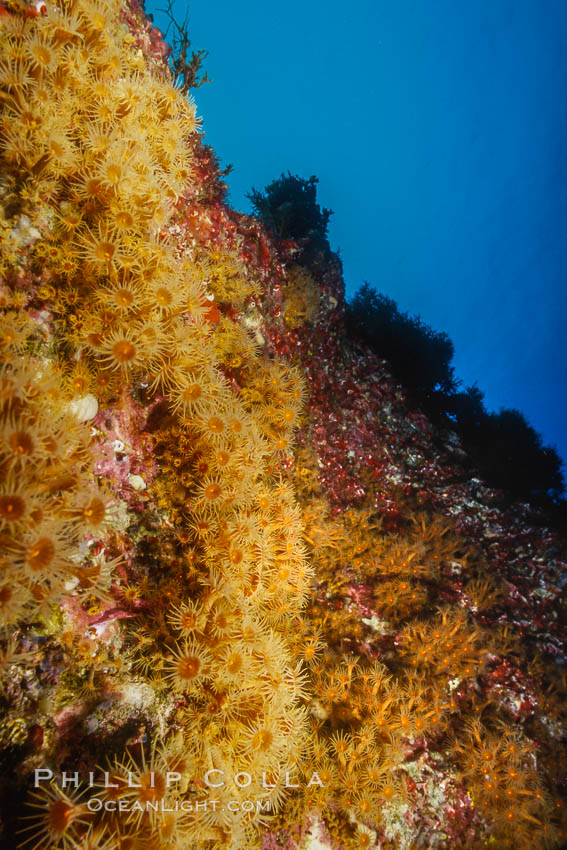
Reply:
x=243, y=614
x=188, y=665
x=56, y=819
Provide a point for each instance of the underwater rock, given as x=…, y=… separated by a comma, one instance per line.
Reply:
x=230, y=548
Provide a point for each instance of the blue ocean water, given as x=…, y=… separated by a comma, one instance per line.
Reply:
x=438, y=133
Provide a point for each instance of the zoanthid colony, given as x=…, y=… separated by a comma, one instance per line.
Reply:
x=198, y=648
x=99, y=304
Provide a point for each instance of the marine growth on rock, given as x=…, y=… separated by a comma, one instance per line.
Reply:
x=247, y=598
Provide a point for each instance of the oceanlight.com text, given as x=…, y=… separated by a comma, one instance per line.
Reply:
x=95, y=804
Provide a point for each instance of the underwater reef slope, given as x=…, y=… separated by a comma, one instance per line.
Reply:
x=248, y=598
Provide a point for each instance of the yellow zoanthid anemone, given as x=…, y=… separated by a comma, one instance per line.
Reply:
x=134, y=351
x=96, y=150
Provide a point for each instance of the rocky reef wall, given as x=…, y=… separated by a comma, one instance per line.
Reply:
x=248, y=597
